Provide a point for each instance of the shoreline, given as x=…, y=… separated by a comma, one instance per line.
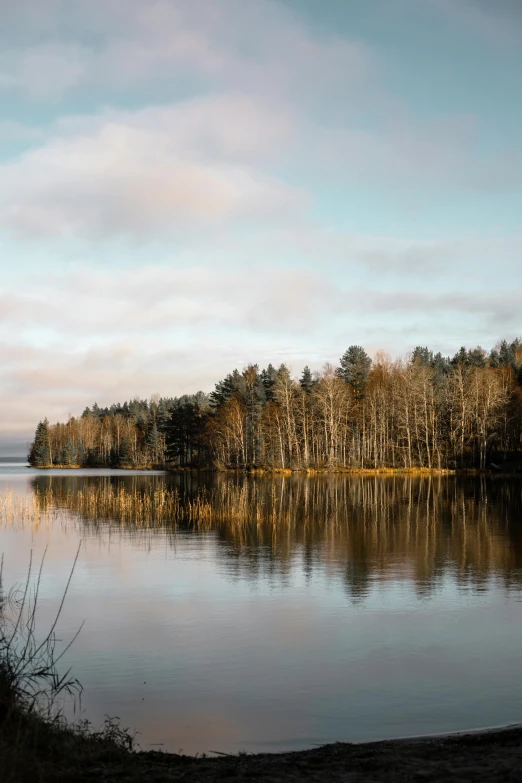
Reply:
x=482, y=755
x=487, y=472
x=493, y=754
x=68, y=753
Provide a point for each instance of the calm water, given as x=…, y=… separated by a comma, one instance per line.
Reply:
x=285, y=612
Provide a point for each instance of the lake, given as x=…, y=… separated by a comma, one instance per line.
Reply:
x=264, y=614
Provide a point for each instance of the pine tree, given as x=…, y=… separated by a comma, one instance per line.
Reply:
x=441, y=366
x=461, y=357
x=422, y=355
x=494, y=358
x=268, y=379
x=184, y=430
x=355, y=369
x=153, y=439
x=477, y=357
x=126, y=458
x=40, y=452
x=307, y=381
x=69, y=456
x=234, y=383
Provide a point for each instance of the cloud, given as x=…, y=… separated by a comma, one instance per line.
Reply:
x=66, y=341
x=253, y=44
x=190, y=190
x=149, y=300
x=313, y=89
x=45, y=72
x=148, y=172
x=408, y=153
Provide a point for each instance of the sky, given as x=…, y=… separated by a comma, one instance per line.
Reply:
x=187, y=186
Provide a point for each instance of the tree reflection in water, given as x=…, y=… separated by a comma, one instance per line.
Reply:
x=361, y=528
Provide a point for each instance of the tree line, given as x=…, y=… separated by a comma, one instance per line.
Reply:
x=422, y=411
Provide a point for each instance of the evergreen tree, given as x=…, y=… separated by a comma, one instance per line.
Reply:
x=494, y=358
x=461, y=357
x=506, y=354
x=69, y=456
x=40, y=453
x=234, y=383
x=477, y=357
x=441, y=365
x=154, y=445
x=355, y=369
x=306, y=381
x=422, y=355
x=184, y=431
x=268, y=379
x=126, y=456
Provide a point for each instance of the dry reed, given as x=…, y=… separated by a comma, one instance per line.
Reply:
x=35, y=510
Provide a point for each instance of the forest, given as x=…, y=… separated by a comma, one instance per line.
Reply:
x=422, y=411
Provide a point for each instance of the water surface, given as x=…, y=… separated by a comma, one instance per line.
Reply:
x=281, y=613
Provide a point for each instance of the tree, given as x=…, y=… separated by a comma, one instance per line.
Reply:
x=333, y=404
x=234, y=383
x=254, y=398
x=425, y=410
x=155, y=445
x=284, y=391
x=355, y=365
x=183, y=430
x=441, y=366
x=422, y=355
x=307, y=381
x=461, y=358
x=69, y=456
x=126, y=456
x=268, y=379
x=477, y=357
x=40, y=455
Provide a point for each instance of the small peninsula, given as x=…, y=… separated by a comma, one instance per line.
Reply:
x=424, y=412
